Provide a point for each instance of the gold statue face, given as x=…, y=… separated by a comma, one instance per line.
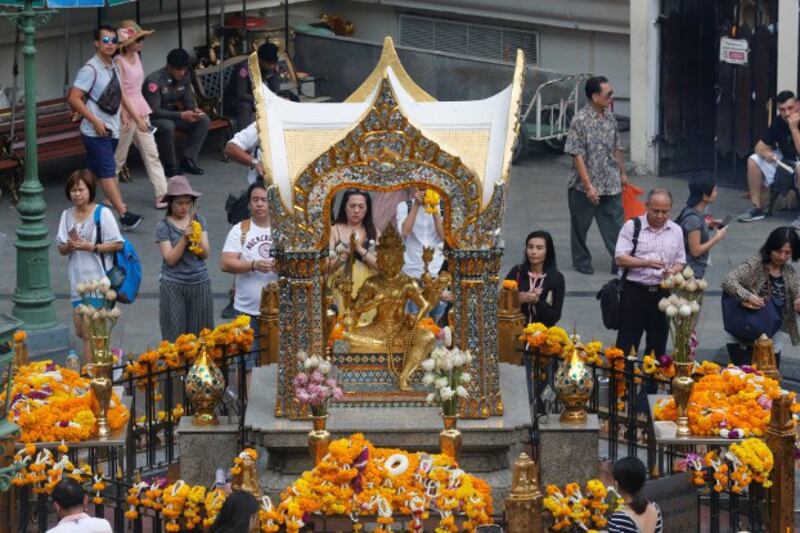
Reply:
x=390, y=250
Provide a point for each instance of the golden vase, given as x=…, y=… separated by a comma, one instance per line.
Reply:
x=101, y=349
x=450, y=437
x=682, y=385
x=574, y=384
x=319, y=439
x=510, y=323
x=101, y=390
x=204, y=388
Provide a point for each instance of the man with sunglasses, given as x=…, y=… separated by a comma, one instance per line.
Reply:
x=97, y=96
x=169, y=94
x=595, y=189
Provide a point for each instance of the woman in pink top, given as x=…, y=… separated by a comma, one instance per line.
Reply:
x=137, y=129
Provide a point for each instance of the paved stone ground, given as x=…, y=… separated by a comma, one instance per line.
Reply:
x=536, y=199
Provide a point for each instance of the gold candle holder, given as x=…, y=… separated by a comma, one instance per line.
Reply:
x=573, y=383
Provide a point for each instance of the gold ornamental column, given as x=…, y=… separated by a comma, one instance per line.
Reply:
x=268, y=325
x=475, y=286
x=523, y=505
x=510, y=323
x=780, y=439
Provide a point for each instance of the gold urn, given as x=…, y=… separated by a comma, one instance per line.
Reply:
x=682, y=385
x=574, y=384
x=204, y=388
x=319, y=438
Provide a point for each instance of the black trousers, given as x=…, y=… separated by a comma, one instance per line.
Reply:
x=165, y=140
x=639, y=314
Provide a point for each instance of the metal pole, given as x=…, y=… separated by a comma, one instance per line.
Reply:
x=286, y=26
x=208, y=25
x=221, y=50
x=33, y=297
x=180, y=26
x=244, y=26
x=66, y=51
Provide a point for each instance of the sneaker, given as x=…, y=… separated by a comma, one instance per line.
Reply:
x=751, y=215
x=796, y=223
x=128, y=220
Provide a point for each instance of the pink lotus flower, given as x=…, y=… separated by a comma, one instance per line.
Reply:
x=338, y=394
x=300, y=380
x=317, y=377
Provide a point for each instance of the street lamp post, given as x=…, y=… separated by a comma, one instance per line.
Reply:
x=33, y=297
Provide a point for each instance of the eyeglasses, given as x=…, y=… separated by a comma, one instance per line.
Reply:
x=608, y=94
x=109, y=40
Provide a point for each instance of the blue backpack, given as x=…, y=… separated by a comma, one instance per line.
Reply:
x=126, y=274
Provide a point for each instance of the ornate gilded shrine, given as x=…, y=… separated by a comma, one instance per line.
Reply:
x=389, y=135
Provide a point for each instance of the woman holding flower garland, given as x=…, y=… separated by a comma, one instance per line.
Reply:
x=540, y=284
x=239, y=514
x=354, y=219
x=768, y=276
x=185, y=304
x=90, y=254
x=637, y=514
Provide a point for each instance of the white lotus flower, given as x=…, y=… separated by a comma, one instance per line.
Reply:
x=447, y=364
x=80, y=287
x=427, y=379
x=465, y=378
x=667, y=283
x=440, y=383
x=702, y=284
x=674, y=300
x=446, y=393
x=310, y=363
x=302, y=355
x=115, y=313
x=430, y=398
x=448, y=336
x=685, y=310
x=111, y=295
x=104, y=284
x=695, y=307
x=662, y=304
x=461, y=392
x=324, y=367
x=457, y=358
x=691, y=286
x=671, y=310
x=428, y=365
x=467, y=357
x=688, y=272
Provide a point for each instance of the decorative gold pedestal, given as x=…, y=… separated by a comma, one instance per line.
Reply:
x=268, y=329
x=682, y=385
x=101, y=390
x=524, y=503
x=573, y=383
x=510, y=323
x=319, y=439
x=450, y=437
x=764, y=357
x=204, y=387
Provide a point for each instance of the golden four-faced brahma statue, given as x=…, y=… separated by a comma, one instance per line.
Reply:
x=393, y=329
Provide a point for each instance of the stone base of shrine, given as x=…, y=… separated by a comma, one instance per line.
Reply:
x=489, y=447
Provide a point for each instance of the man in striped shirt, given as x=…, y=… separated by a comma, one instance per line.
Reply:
x=659, y=253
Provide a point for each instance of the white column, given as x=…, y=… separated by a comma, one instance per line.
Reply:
x=788, y=28
x=644, y=50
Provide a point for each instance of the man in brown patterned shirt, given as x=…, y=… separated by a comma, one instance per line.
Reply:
x=595, y=188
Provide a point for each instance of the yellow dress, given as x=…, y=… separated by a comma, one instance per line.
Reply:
x=361, y=271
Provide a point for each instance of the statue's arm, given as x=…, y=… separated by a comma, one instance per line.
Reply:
x=366, y=298
x=415, y=294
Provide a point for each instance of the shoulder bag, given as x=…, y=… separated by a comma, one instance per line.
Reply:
x=610, y=293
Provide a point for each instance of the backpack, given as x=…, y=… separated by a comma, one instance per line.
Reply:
x=126, y=274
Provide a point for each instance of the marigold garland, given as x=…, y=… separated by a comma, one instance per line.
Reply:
x=732, y=403
x=431, y=201
x=195, y=238
x=510, y=284
x=734, y=470
x=51, y=404
x=572, y=507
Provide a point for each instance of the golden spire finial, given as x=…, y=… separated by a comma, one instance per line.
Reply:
x=390, y=240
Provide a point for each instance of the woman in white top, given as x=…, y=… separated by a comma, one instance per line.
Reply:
x=136, y=129
x=78, y=238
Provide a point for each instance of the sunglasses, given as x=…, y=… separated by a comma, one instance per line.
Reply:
x=109, y=40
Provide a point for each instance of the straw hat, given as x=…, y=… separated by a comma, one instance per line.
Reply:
x=129, y=31
x=179, y=186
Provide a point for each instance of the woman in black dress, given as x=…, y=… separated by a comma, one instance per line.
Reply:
x=540, y=284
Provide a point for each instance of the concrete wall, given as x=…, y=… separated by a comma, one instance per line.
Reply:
x=561, y=49
x=444, y=76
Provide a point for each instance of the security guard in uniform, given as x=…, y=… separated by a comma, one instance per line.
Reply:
x=238, y=101
x=169, y=93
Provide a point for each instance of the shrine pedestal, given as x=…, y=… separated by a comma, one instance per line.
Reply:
x=568, y=452
x=488, y=450
x=206, y=448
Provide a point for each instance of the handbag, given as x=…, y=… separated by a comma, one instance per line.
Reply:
x=749, y=324
x=609, y=294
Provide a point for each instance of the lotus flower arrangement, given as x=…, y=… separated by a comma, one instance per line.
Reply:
x=682, y=308
x=444, y=369
x=314, y=385
x=98, y=306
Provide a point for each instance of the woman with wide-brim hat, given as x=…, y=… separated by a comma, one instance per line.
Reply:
x=136, y=129
x=185, y=304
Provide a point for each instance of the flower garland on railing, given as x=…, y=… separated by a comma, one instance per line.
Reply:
x=551, y=342
x=42, y=472
x=357, y=479
x=227, y=338
x=572, y=508
x=733, y=402
x=51, y=404
x=733, y=470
